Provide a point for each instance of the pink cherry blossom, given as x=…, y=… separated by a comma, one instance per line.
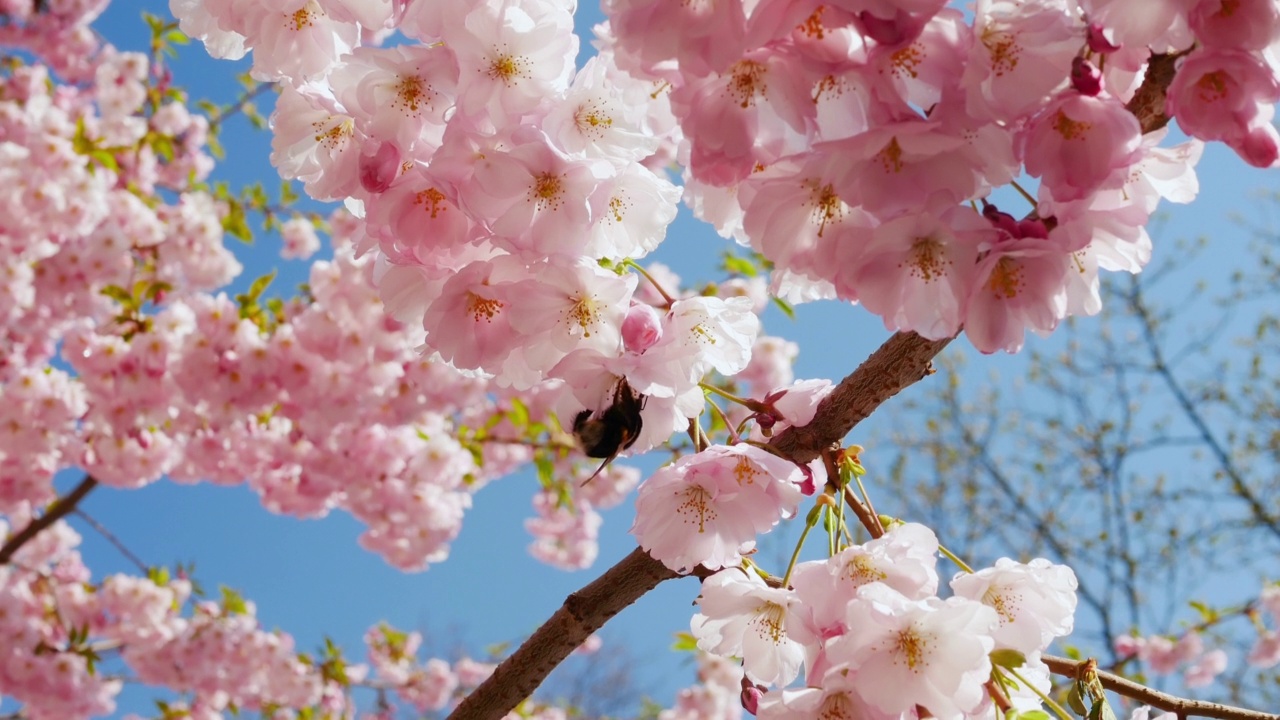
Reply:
x=740, y=615
x=706, y=509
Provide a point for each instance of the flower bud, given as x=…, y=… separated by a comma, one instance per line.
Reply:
x=641, y=328
x=379, y=168
x=1086, y=78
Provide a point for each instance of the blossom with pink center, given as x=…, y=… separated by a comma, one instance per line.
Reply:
x=401, y=94
x=569, y=307
x=511, y=56
x=1036, y=602
x=315, y=141
x=1080, y=143
x=1020, y=284
x=1022, y=52
x=470, y=323
x=533, y=197
x=740, y=615
x=904, y=558
x=706, y=509
x=834, y=697
x=904, y=653
x=918, y=165
x=917, y=272
x=296, y=40
x=754, y=113
x=1243, y=24
x=1229, y=95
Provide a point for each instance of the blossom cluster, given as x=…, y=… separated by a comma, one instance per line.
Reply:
x=1163, y=655
x=850, y=142
x=874, y=639
x=63, y=638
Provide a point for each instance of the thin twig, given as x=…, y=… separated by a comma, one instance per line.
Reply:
x=55, y=512
x=1182, y=707
x=111, y=538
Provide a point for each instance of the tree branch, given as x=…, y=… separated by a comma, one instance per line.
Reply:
x=901, y=361
x=60, y=508
x=582, y=613
x=1182, y=707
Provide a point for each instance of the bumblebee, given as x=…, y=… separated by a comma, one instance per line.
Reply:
x=612, y=430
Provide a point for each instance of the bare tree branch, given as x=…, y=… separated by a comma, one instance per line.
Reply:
x=1182, y=707
x=59, y=509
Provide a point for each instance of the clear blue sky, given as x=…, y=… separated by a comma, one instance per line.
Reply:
x=311, y=579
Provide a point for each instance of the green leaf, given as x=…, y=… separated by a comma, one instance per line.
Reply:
x=546, y=470
x=158, y=575
x=519, y=414
x=1036, y=714
x=233, y=602
x=736, y=265
x=1008, y=658
x=260, y=285
x=1075, y=701
x=1206, y=612
x=120, y=295
x=236, y=222
x=685, y=642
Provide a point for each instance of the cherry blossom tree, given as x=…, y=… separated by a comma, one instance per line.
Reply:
x=487, y=308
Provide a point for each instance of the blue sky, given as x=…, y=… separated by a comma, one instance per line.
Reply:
x=311, y=579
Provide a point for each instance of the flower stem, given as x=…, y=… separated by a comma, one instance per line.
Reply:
x=795, y=555
x=636, y=266
x=753, y=405
x=1022, y=191
x=952, y=557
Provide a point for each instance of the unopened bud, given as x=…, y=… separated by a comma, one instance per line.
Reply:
x=379, y=168
x=641, y=328
x=1085, y=77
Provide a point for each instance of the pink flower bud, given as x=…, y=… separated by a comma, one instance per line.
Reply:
x=750, y=696
x=379, y=168
x=1085, y=77
x=641, y=328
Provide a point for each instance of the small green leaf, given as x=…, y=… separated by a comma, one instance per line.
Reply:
x=158, y=575
x=1075, y=701
x=518, y=414
x=233, y=602
x=685, y=642
x=1008, y=658
x=736, y=265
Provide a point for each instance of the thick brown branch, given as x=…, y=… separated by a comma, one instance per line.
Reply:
x=902, y=360
x=56, y=511
x=1148, y=103
x=583, y=612
x=1182, y=707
